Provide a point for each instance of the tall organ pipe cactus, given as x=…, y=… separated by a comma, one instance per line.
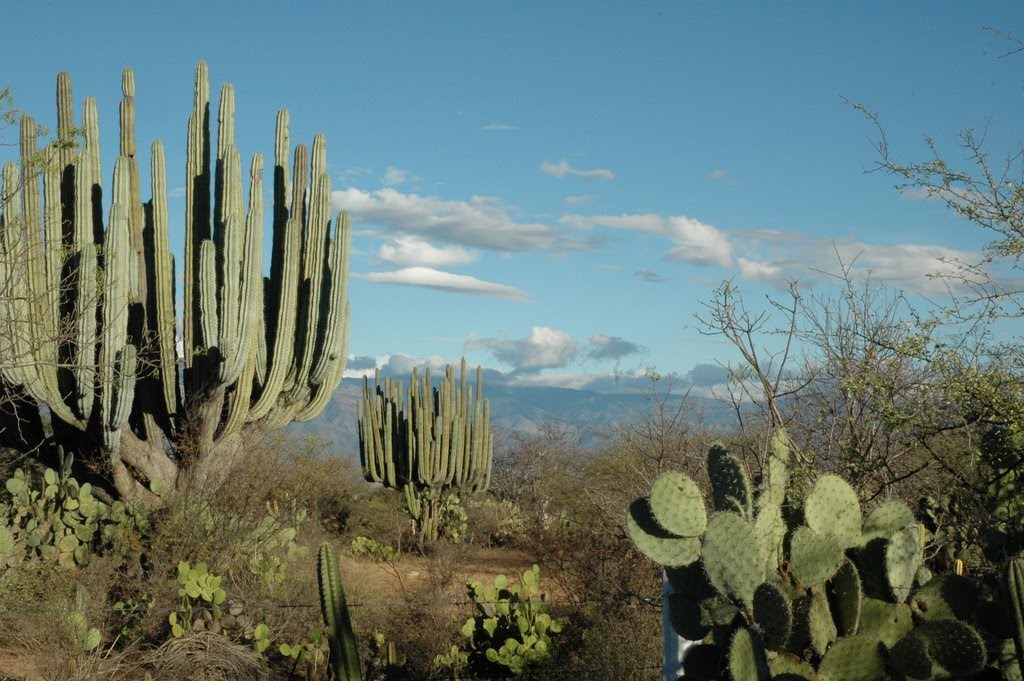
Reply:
x=427, y=443
x=87, y=304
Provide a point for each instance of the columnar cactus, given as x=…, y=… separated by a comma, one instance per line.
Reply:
x=809, y=589
x=87, y=318
x=428, y=443
x=341, y=637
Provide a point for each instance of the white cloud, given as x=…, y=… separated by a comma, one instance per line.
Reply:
x=393, y=176
x=177, y=192
x=562, y=168
x=545, y=348
x=760, y=271
x=499, y=126
x=429, y=277
x=481, y=222
x=410, y=250
x=717, y=174
x=696, y=242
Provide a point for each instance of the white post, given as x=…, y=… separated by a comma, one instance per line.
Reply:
x=674, y=646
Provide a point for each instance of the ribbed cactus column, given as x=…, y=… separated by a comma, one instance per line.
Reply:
x=87, y=300
x=429, y=443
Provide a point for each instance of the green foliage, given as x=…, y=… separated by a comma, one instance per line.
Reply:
x=511, y=630
x=87, y=638
x=200, y=597
x=847, y=597
x=369, y=548
x=50, y=516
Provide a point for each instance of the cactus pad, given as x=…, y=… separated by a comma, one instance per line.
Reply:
x=773, y=613
x=888, y=621
x=770, y=527
x=747, y=660
x=902, y=558
x=940, y=649
x=730, y=486
x=786, y=667
x=654, y=542
x=832, y=508
x=886, y=519
x=855, y=658
x=678, y=506
x=688, y=618
x=732, y=556
x=815, y=557
x=845, y=594
x=776, y=474
x=946, y=597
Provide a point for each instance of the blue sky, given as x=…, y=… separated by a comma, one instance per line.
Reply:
x=550, y=188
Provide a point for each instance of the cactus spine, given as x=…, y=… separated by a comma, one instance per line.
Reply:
x=428, y=443
x=87, y=300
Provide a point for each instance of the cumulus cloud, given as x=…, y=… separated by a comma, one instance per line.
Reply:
x=562, y=168
x=411, y=251
x=612, y=347
x=696, y=242
x=544, y=348
x=481, y=222
x=429, y=277
x=499, y=126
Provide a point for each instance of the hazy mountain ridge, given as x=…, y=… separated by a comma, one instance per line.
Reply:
x=523, y=409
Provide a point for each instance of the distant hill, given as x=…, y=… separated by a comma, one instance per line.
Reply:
x=523, y=409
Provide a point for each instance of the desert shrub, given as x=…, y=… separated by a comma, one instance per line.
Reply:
x=494, y=522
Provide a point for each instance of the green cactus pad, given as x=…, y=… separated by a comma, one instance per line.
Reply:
x=855, y=658
x=832, y=508
x=730, y=486
x=732, y=556
x=821, y=626
x=678, y=506
x=946, y=597
x=845, y=594
x=654, y=542
x=940, y=649
x=814, y=557
x=886, y=519
x=776, y=473
x=787, y=667
x=888, y=621
x=774, y=614
x=770, y=528
x=902, y=558
x=747, y=660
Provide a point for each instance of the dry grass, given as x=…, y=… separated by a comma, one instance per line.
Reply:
x=205, y=656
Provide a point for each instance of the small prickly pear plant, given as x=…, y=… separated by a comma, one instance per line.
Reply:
x=201, y=597
x=51, y=516
x=511, y=630
x=769, y=585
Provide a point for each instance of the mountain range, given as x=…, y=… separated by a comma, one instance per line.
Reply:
x=526, y=408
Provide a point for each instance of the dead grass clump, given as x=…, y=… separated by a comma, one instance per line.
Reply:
x=206, y=656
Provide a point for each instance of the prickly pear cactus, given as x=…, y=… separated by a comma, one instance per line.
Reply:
x=774, y=586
